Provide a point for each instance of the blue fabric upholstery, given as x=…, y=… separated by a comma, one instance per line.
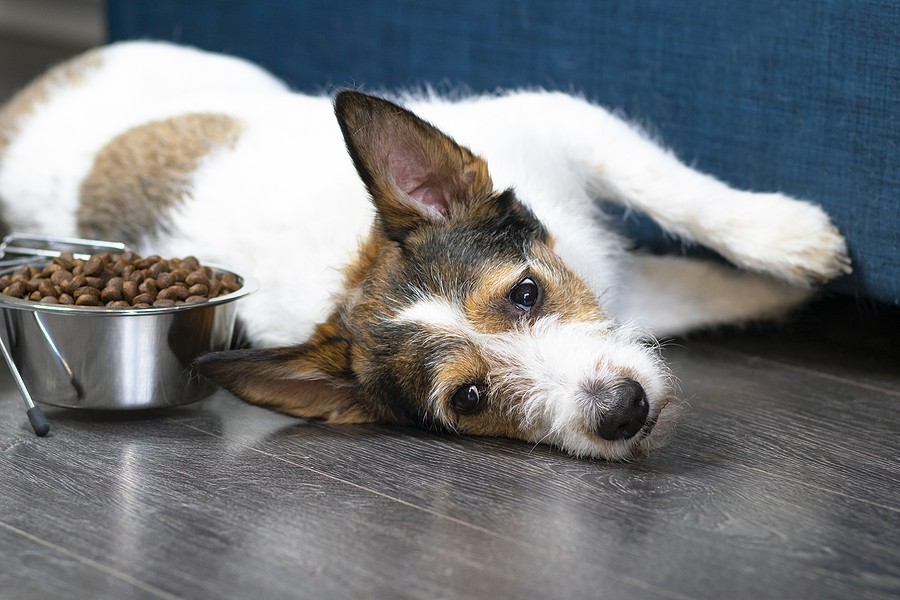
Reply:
x=798, y=97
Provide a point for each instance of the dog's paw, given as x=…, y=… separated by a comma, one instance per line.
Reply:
x=790, y=239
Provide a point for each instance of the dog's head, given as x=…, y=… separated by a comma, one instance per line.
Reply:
x=457, y=314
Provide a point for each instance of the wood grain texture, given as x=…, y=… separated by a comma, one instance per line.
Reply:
x=777, y=483
x=664, y=520
x=836, y=338
x=197, y=516
x=32, y=568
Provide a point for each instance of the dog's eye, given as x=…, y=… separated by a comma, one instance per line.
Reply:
x=525, y=294
x=468, y=399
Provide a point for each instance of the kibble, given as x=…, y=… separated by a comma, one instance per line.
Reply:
x=118, y=281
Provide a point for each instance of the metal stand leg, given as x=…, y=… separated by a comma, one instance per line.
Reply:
x=35, y=416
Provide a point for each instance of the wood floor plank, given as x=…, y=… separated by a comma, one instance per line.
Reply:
x=880, y=375
x=32, y=569
x=694, y=523
x=201, y=517
x=836, y=435
x=840, y=338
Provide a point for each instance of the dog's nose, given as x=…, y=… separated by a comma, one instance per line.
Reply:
x=626, y=413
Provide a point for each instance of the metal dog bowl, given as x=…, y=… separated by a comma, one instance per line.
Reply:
x=113, y=359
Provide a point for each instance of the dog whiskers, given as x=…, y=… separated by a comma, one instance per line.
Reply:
x=540, y=441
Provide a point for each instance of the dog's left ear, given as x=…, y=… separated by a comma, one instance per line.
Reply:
x=414, y=172
x=312, y=380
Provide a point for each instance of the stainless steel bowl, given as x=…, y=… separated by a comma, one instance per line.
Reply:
x=115, y=359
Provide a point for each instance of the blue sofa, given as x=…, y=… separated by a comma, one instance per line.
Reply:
x=799, y=97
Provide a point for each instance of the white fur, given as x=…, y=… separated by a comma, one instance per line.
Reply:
x=287, y=196
x=439, y=315
x=554, y=361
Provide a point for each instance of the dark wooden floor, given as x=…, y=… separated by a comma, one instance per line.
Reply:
x=782, y=481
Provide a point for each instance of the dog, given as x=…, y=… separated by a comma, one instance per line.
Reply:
x=470, y=284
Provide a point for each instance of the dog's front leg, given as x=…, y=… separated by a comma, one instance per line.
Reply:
x=771, y=233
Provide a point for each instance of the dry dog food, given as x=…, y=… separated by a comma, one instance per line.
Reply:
x=119, y=281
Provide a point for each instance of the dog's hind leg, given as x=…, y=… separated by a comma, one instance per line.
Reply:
x=671, y=295
x=770, y=233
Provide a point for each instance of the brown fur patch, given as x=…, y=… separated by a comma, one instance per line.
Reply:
x=564, y=294
x=494, y=423
x=23, y=104
x=466, y=367
x=313, y=399
x=488, y=307
x=142, y=173
x=312, y=380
